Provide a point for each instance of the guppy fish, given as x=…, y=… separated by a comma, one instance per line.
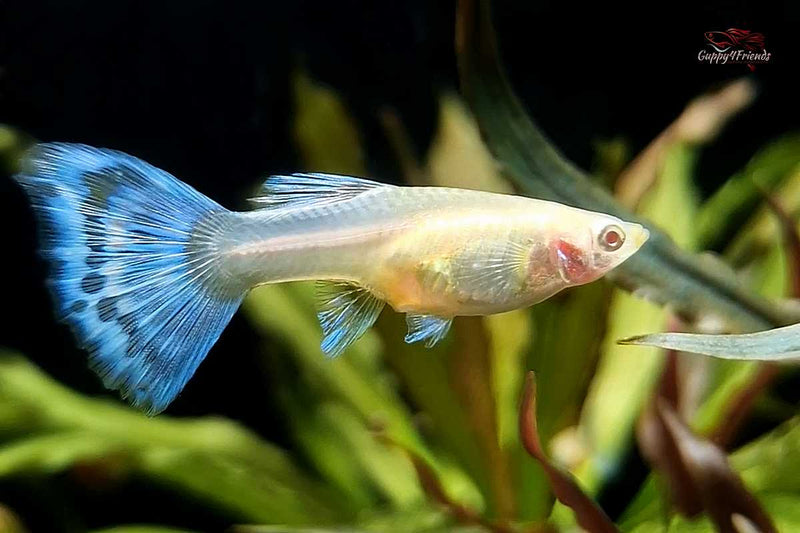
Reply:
x=147, y=271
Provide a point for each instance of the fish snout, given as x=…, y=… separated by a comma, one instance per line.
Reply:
x=638, y=234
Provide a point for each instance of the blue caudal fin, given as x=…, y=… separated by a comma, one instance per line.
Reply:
x=133, y=266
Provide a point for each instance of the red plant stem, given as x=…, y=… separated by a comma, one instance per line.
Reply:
x=587, y=513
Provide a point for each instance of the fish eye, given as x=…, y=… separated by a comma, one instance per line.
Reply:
x=611, y=238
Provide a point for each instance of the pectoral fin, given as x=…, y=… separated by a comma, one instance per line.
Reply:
x=346, y=311
x=489, y=271
x=430, y=328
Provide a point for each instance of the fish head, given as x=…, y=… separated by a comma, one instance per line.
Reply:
x=597, y=244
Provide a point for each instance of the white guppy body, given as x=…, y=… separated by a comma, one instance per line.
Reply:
x=425, y=250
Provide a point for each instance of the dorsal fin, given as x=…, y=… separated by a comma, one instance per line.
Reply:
x=346, y=311
x=302, y=190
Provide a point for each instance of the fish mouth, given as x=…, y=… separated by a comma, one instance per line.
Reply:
x=641, y=237
x=637, y=235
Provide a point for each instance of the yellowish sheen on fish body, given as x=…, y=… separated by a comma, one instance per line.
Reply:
x=431, y=251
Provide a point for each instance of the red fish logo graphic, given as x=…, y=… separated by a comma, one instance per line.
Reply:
x=734, y=41
x=722, y=41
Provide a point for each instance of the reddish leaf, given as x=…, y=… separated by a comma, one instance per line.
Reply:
x=696, y=470
x=589, y=516
x=721, y=491
x=661, y=451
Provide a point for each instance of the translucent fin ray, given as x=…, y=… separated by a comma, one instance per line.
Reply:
x=346, y=311
x=429, y=328
x=486, y=272
x=303, y=190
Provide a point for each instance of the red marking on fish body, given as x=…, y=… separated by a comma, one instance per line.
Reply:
x=571, y=261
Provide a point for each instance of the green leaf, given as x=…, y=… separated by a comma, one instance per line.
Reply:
x=319, y=441
x=757, y=251
x=458, y=157
x=52, y=453
x=780, y=344
x=428, y=377
x=286, y=312
x=324, y=131
x=214, y=460
x=740, y=195
x=625, y=377
x=772, y=463
x=387, y=468
x=471, y=380
x=623, y=382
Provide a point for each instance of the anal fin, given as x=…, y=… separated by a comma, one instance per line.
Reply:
x=429, y=328
x=346, y=311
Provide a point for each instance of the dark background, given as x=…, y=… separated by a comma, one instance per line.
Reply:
x=202, y=89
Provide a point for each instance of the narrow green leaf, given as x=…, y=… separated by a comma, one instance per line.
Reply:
x=215, y=460
x=286, y=312
x=726, y=209
x=319, y=442
x=471, y=380
x=425, y=375
x=386, y=467
x=458, y=157
x=324, y=131
x=625, y=377
x=780, y=344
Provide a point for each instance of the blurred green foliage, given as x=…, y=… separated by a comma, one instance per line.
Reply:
x=356, y=422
